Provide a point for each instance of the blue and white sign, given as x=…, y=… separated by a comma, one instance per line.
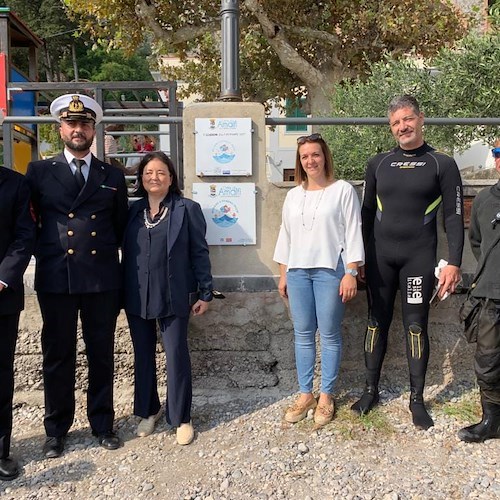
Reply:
x=223, y=146
x=229, y=210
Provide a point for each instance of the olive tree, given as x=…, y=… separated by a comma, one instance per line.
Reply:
x=457, y=83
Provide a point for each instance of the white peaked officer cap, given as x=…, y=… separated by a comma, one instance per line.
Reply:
x=76, y=107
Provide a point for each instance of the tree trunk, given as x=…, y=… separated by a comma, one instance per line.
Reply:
x=318, y=82
x=48, y=64
x=319, y=99
x=75, y=62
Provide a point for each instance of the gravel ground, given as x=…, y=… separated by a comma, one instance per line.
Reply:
x=244, y=449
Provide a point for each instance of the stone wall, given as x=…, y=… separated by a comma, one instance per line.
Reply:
x=246, y=342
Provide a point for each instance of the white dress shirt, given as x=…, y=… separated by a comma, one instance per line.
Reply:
x=85, y=168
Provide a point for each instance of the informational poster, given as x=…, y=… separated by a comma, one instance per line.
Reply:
x=229, y=210
x=223, y=146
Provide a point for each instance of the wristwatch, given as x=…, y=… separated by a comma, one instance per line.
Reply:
x=352, y=272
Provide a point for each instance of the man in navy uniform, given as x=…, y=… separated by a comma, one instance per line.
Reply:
x=17, y=237
x=81, y=208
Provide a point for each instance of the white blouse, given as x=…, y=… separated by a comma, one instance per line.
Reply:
x=319, y=226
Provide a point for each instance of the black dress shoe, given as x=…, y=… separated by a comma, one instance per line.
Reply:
x=109, y=440
x=53, y=447
x=9, y=469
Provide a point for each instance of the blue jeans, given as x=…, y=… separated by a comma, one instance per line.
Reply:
x=315, y=304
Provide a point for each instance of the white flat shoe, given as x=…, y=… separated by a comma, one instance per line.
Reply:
x=147, y=425
x=185, y=434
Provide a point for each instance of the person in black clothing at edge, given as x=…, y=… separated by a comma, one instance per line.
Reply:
x=483, y=232
x=17, y=230
x=404, y=189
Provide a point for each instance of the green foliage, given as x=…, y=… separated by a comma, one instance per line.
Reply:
x=49, y=20
x=319, y=42
x=494, y=14
x=465, y=84
x=467, y=409
x=98, y=64
x=353, y=145
x=352, y=426
x=66, y=47
x=49, y=133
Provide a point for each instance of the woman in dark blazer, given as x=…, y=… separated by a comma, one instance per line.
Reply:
x=167, y=277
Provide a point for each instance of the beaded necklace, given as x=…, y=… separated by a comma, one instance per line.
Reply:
x=151, y=225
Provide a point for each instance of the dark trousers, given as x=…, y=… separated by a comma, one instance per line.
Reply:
x=173, y=332
x=487, y=357
x=8, y=336
x=98, y=313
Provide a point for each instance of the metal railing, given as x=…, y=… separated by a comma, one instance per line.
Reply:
x=119, y=111
x=149, y=116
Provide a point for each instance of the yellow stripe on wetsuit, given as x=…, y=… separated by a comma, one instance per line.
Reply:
x=433, y=205
x=431, y=211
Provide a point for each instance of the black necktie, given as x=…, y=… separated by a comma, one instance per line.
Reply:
x=80, y=179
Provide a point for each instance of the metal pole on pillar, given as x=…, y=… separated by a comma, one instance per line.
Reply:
x=230, y=68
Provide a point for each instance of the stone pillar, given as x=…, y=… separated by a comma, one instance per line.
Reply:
x=240, y=267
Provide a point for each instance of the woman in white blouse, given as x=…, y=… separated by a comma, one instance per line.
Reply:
x=319, y=250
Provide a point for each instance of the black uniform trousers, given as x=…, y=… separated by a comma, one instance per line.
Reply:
x=98, y=313
x=8, y=337
x=487, y=356
x=173, y=332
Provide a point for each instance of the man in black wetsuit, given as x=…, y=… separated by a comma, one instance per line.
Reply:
x=404, y=189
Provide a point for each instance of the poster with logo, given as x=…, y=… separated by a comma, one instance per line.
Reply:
x=229, y=210
x=223, y=146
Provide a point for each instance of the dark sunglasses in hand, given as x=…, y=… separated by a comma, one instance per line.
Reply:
x=309, y=138
x=495, y=152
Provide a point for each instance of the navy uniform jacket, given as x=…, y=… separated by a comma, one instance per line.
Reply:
x=17, y=237
x=185, y=270
x=78, y=233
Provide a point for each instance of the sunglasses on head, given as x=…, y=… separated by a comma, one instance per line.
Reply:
x=495, y=152
x=309, y=138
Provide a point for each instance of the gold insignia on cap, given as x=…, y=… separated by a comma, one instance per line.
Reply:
x=76, y=106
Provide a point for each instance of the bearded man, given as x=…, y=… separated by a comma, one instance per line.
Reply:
x=80, y=205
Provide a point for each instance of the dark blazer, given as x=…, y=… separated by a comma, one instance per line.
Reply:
x=186, y=260
x=17, y=237
x=78, y=233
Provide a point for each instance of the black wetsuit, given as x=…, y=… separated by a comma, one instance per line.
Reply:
x=403, y=192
